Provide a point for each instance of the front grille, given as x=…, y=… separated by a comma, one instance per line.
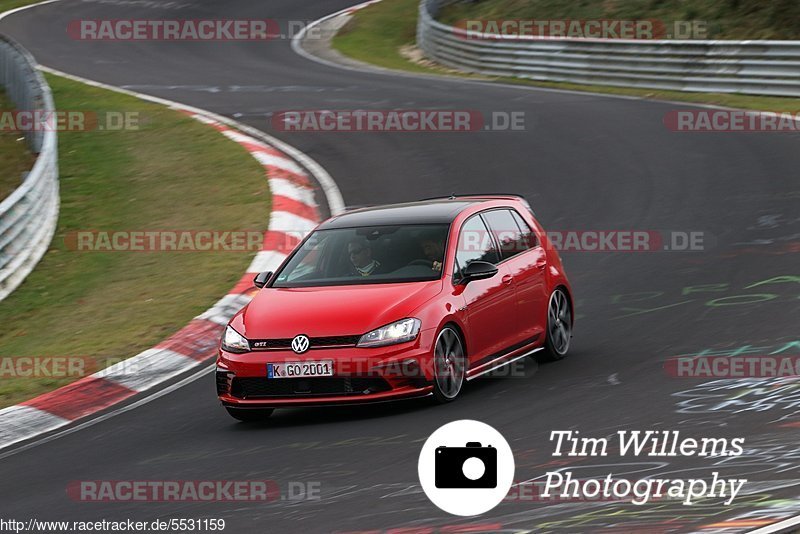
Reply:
x=314, y=342
x=334, y=341
x=259, y=388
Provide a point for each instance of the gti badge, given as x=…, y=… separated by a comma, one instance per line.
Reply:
x=300, y=344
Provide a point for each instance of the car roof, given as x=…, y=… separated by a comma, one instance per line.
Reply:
x=440, y=210
x=435, y=211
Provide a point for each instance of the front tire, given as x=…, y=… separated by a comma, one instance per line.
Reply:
x=250, y=415
x=559, y=326
x=449, y=366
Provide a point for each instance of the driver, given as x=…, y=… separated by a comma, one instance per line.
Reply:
x=433, y=248
x=360, y=252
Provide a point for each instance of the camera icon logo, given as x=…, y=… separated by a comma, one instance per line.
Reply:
x=472, y=466
x=464, y=476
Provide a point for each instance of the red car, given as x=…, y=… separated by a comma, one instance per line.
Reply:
x=398, y=301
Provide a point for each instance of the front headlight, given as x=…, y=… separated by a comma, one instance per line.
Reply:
x=397, y=332
x=233, y=341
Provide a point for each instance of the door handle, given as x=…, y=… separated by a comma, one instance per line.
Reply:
x=507, y=279
x=541, y=264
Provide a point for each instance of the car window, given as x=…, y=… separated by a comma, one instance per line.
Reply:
x=367, y=255
x=506, y=231
x=528, y=236
x=475, y=243
x=310, y=262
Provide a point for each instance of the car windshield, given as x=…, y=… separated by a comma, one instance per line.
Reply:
x=367, y=255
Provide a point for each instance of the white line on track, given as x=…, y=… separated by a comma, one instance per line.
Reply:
x=782, y=526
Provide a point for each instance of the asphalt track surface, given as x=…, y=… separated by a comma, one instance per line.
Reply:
x=585, y=162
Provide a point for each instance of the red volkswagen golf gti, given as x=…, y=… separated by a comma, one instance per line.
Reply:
x=395, y=302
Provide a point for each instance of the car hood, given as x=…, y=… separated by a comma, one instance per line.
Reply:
x=279, y=313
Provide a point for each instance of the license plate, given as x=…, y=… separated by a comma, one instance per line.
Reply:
x=300, y=369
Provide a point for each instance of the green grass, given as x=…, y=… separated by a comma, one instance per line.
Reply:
x=726, y=19
x=15, y=157
x=5, y=5
x=174, y=173
x=378, y=34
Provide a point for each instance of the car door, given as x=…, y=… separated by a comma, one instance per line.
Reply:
x=491, y=303
x=526, y=262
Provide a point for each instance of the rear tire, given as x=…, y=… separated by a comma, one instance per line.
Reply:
x=250, y=415
x=559, y=326
x=449, y=366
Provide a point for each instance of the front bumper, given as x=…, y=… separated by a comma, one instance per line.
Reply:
x=360, y=375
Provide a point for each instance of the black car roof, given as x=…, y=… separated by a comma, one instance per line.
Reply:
x=435, y=211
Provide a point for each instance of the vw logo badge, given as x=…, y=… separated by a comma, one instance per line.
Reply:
x=300, y=344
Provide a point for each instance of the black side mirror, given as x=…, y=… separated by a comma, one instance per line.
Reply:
x=477, y=270
x=261, y=279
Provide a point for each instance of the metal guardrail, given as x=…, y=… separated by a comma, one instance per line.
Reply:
x=752, y=67
x=29, y=215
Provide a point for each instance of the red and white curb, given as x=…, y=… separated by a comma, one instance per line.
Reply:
x=294, y=213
